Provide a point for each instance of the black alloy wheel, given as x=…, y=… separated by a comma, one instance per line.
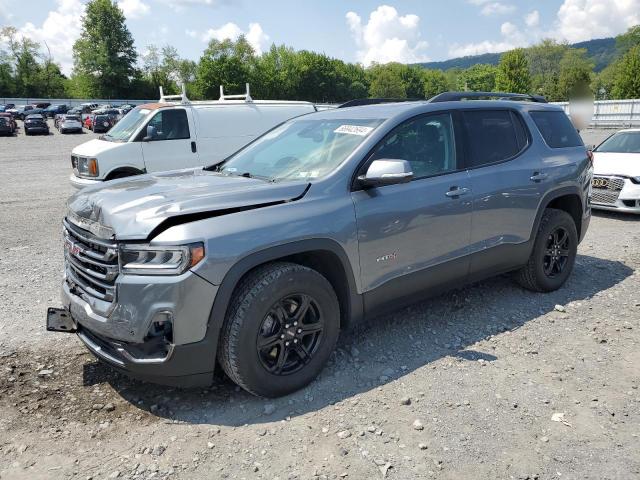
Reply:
x=556, y=252
x=290, y=334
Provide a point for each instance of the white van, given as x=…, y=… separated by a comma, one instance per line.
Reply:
x=176, y=133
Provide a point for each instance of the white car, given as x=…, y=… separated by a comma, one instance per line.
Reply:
x=70, y=123
x=616, y=172
x=176, y=133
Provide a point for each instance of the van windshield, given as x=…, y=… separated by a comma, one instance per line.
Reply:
x=300, y=149
x=123, y=130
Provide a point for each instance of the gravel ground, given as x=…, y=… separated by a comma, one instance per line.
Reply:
x=489, y=381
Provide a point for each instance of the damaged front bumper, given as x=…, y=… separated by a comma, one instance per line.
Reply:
x=155, y=331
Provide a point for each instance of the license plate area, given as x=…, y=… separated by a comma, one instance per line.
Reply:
x=59, y=320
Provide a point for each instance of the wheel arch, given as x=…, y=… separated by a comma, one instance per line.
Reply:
x=323, y=255
x=123, y=171
x=568, y=199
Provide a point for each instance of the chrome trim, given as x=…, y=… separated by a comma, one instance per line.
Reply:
x=97, y=350
x=146, y=361
x=100, y=231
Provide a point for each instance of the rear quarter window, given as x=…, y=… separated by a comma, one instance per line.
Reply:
x=493, y=136
x=556, y=129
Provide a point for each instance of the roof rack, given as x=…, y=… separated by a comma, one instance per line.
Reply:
x=461, y=96
x=182, y=98
x=246, y=96
x=374, y=101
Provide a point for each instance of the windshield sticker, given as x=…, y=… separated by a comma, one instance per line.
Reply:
x=353, y=130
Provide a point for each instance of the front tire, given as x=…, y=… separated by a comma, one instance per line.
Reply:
x=554, y=253
x=281, y=327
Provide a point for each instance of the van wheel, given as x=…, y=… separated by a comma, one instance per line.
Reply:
x=553, y=255
x=281, y=327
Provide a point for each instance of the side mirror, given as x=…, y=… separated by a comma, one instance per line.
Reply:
x=386, y=172
x=152, y=133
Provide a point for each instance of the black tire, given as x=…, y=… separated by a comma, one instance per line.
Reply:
x=251, y=312
x=550, y=265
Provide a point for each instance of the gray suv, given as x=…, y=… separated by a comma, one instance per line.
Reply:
x=257, y=263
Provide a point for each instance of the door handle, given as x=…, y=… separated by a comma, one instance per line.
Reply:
x=193, y=147
x=456, y=192
x=538, y=176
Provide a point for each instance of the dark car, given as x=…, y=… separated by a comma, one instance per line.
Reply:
x=54, y=110
x=22, y=111
x=34, y=124
x=6, y=128
x=42, y=105
x=9, y=119
x=102, y=123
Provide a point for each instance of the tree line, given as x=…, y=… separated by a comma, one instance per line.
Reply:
x=107, y=65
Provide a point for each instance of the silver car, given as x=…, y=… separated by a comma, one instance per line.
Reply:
x=256, y=264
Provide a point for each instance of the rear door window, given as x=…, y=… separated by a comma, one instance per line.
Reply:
x=556, y=129
x=493, y=136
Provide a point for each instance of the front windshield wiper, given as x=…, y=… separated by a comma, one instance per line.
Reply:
x=250, y=175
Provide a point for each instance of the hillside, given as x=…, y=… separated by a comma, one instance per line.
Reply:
x=601, y=51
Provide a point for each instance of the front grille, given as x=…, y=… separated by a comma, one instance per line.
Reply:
x=606, y=190
x=91, y=263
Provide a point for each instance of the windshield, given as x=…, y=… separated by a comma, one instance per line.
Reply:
x=300, y=149
x=626, y=142
x=123, y=130
x=74, y=118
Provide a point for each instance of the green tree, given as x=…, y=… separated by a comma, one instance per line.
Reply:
x=104, y=55
x=627, y=75
x=478, y=78
x=434, y=82
x=513, y=72
x=544, y=68
x=575, y=74
x=628, y=40
x=228, y=63
x=386, y=83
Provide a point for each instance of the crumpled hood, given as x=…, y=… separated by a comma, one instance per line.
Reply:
x=134, y=207
x=626, y=164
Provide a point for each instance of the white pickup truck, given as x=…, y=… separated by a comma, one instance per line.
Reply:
x=176, y=133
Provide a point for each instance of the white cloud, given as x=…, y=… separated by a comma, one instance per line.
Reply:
x=512, y=37
x=585, y=19
x=5, y=12
x=532, y=19
x=254, y=35
x=497, y=8
x=60, y=30
x=387, y=37
x=179, y=5
x=133, y=9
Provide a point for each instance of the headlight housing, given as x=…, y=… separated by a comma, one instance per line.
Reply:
x=635, y=179
x=87, y=167
x=159, y=260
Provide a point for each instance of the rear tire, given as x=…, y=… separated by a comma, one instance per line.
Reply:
x=553, y=255
x=281, y=326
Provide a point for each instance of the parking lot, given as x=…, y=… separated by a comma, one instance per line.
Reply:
x=489, y=381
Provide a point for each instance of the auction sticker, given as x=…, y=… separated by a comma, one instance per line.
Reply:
x=353, y=130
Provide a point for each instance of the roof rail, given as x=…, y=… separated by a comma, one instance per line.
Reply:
x=182, y=98
x=374, y=101
x=461, y=96
x=246, y=96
